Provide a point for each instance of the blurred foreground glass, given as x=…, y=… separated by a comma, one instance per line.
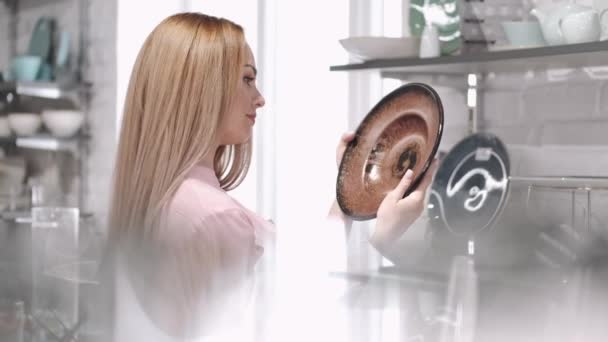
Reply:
x=65, y=263
x=12, y=320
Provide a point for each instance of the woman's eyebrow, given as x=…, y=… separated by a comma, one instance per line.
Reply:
x=255, y=71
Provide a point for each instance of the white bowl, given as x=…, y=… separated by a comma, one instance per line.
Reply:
x=367, y=48
x=63, y=123
x=24, y=124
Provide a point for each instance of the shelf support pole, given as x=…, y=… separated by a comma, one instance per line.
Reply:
x=13, y=6
x=473, y=102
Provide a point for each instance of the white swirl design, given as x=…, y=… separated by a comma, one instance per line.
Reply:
x=477, y=197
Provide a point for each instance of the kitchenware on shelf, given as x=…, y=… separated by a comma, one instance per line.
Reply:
x=481, y=23
x=62, y=123
x=46, y=73
x=25, y=68
x=444, y=15
x=42, y=38
x=367, y=48
x=402, y=131
x=63, y=50
x=5, y=130
x=470, y=186
x=551, y=17
x=429, y=42
x=473, y=208
x=581, y=27
x=477, y=208
x=62, y=72
x=600, y=6
x=24, y=124
x=12, y=175
x=512, y=47
x=523, y=33
x=571, y=210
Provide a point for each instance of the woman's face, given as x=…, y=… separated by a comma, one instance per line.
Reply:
x=237, y=125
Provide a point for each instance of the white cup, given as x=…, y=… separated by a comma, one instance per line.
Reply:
x=429, y=42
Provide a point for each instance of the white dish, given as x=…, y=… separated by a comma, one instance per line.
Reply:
x=63, y=123
x=512, y=47
x=368, y=48
x=24, y=124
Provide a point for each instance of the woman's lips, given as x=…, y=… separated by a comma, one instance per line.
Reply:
x=251, y=117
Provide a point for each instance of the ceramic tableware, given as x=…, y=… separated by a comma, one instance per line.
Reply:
x=402, y=131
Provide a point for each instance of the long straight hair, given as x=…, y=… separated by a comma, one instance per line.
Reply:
x=182, y=83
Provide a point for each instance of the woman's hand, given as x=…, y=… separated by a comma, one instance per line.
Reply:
x=396, y=214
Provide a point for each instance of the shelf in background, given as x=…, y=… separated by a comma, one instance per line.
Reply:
x=45, y=142
x=565, y=182
x=25, y=217
x=530, y=278
x=547, y=57
x=48, y=90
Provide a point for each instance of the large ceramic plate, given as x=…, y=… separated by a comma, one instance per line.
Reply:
x=444, y=14
x=401, y=132
x=471, y=185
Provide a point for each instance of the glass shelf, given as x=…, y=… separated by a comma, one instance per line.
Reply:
x=25, y=216
x=547, y=57
x=563, y=182
x=45, y=142
x=48, y=90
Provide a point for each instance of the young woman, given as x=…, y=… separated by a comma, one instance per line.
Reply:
x=183, y=250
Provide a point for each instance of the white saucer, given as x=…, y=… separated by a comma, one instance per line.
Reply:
x=512, y=47
x=369, y=48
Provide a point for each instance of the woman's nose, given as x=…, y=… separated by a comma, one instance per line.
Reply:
x=259, y=101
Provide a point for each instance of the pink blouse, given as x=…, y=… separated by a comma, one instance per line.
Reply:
x=209, y=247
x=201, y=204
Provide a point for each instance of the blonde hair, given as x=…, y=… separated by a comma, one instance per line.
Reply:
x=182, y=83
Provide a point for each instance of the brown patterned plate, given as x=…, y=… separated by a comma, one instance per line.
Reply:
x=401, y=132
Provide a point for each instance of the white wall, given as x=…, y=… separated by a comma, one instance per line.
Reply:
x=310, y=112
x=133, y=26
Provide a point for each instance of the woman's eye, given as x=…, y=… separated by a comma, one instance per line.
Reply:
x=248, y=80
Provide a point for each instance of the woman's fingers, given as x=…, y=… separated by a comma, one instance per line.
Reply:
x=405, y=182
x=348, y=136
x=396, y=213
x=419, y=193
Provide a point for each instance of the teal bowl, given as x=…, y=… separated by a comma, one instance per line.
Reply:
x=26, y=68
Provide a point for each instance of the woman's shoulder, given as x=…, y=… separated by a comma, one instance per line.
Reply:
x=229, y=228
x=200, y=204
x=194, y=197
